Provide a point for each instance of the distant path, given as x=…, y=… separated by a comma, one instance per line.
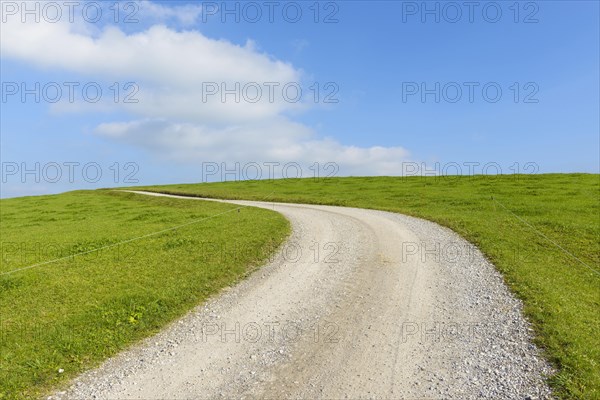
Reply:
x=358, y=304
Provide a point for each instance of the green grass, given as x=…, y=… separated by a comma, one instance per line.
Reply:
x=74, y=313
x=560, y=293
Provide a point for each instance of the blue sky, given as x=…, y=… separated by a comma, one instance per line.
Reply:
x=373, y=58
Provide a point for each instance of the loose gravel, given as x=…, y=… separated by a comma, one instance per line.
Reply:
x=357, y=304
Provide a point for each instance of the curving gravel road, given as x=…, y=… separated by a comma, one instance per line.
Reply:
x=357, y=304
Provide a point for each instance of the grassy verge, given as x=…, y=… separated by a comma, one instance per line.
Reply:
x=69, y=315
x=559, y=287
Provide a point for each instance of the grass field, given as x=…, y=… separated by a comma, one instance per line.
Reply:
x=71, y=314
x=520, y=230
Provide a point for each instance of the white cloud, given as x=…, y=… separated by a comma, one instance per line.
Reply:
x=285, y=141
x=172, y=69
x=158, y=55
x=173, y=119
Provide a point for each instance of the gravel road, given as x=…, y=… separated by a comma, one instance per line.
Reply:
x=357, y=304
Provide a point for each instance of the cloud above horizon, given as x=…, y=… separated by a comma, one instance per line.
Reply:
x=194, y=143
x=181, y=114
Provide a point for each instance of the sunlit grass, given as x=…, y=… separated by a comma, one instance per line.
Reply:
x=560, y=287
x=71, y=314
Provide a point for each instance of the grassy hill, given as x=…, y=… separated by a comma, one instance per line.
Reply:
x=541, y=231
x=106, y=291
x=85, y=274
